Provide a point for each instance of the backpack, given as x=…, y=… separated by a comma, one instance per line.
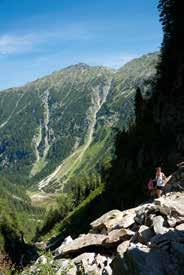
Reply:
x=151, y=184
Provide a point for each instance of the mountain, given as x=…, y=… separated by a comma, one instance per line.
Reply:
x=60, y=125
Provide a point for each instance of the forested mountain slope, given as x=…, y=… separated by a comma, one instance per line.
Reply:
x=60, y=125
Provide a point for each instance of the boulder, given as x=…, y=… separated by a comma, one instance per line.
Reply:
x=86, y=263
x=139, y=259
x=114, y=219
x=89, y=258
x=88, y=241
x=171, y=205
x=122, y=248
x=66, y=241
x=158, y=227
x=41, y=260
x=171, y=221
x=104, y=262
x=91, y=263
x=142, y=212
x=180, y=227
x=145, y=234
x=118, y=235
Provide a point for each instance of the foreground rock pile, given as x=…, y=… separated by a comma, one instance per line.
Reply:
x=146, y=240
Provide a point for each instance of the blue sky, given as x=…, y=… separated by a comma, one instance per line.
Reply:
x=38, y=37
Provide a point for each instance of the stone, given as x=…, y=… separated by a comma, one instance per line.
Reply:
x=158, y=227
x=171, y=205
x=41, y=260
x=67, y=267
x=66, y=241
x=180, y=227
x=171, y=221
x=141, y=213
x=104, y=262
x=145, y=234
x=94, y=240
x=118, y=235
x=114, y=219
x=139, y=259
x=89, y=258
x=90, y=263
x=122, y=248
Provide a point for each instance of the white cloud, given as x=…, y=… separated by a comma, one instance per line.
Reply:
x=12, y=43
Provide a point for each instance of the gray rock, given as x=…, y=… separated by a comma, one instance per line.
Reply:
x=122, y=248
x=90, y=263
x=114, y=219
x=171, y=205
x=139, y=259
x=158, y=227
x=66, y=241
x=171, y=221
x=180, y=227
x=91, y=240
x=145, y=234
x=89, y=258
x=41, y=260
x=141, y=213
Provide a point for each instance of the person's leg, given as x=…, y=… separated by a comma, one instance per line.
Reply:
x=158, y=193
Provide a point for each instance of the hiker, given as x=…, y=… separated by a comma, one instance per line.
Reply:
x=160, y=182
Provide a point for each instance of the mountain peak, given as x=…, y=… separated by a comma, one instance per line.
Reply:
x=80, y=66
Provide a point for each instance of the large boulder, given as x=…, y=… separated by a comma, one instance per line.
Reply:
x=114, y=219
x=66, y=241
x=142, y=260
x=171, y=205
x=92, y=241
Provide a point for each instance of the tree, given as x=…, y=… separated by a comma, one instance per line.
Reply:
x=138, y=105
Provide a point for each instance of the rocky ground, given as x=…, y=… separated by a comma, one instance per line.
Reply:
x=146, y=240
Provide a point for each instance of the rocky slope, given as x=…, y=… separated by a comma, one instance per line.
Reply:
x=50, y=127
x=148, y=239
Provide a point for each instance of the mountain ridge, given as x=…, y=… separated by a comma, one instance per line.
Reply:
x=47, y=120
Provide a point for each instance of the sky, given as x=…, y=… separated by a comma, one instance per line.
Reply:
x=38, y=37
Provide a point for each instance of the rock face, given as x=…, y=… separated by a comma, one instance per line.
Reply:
x=146, y=240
